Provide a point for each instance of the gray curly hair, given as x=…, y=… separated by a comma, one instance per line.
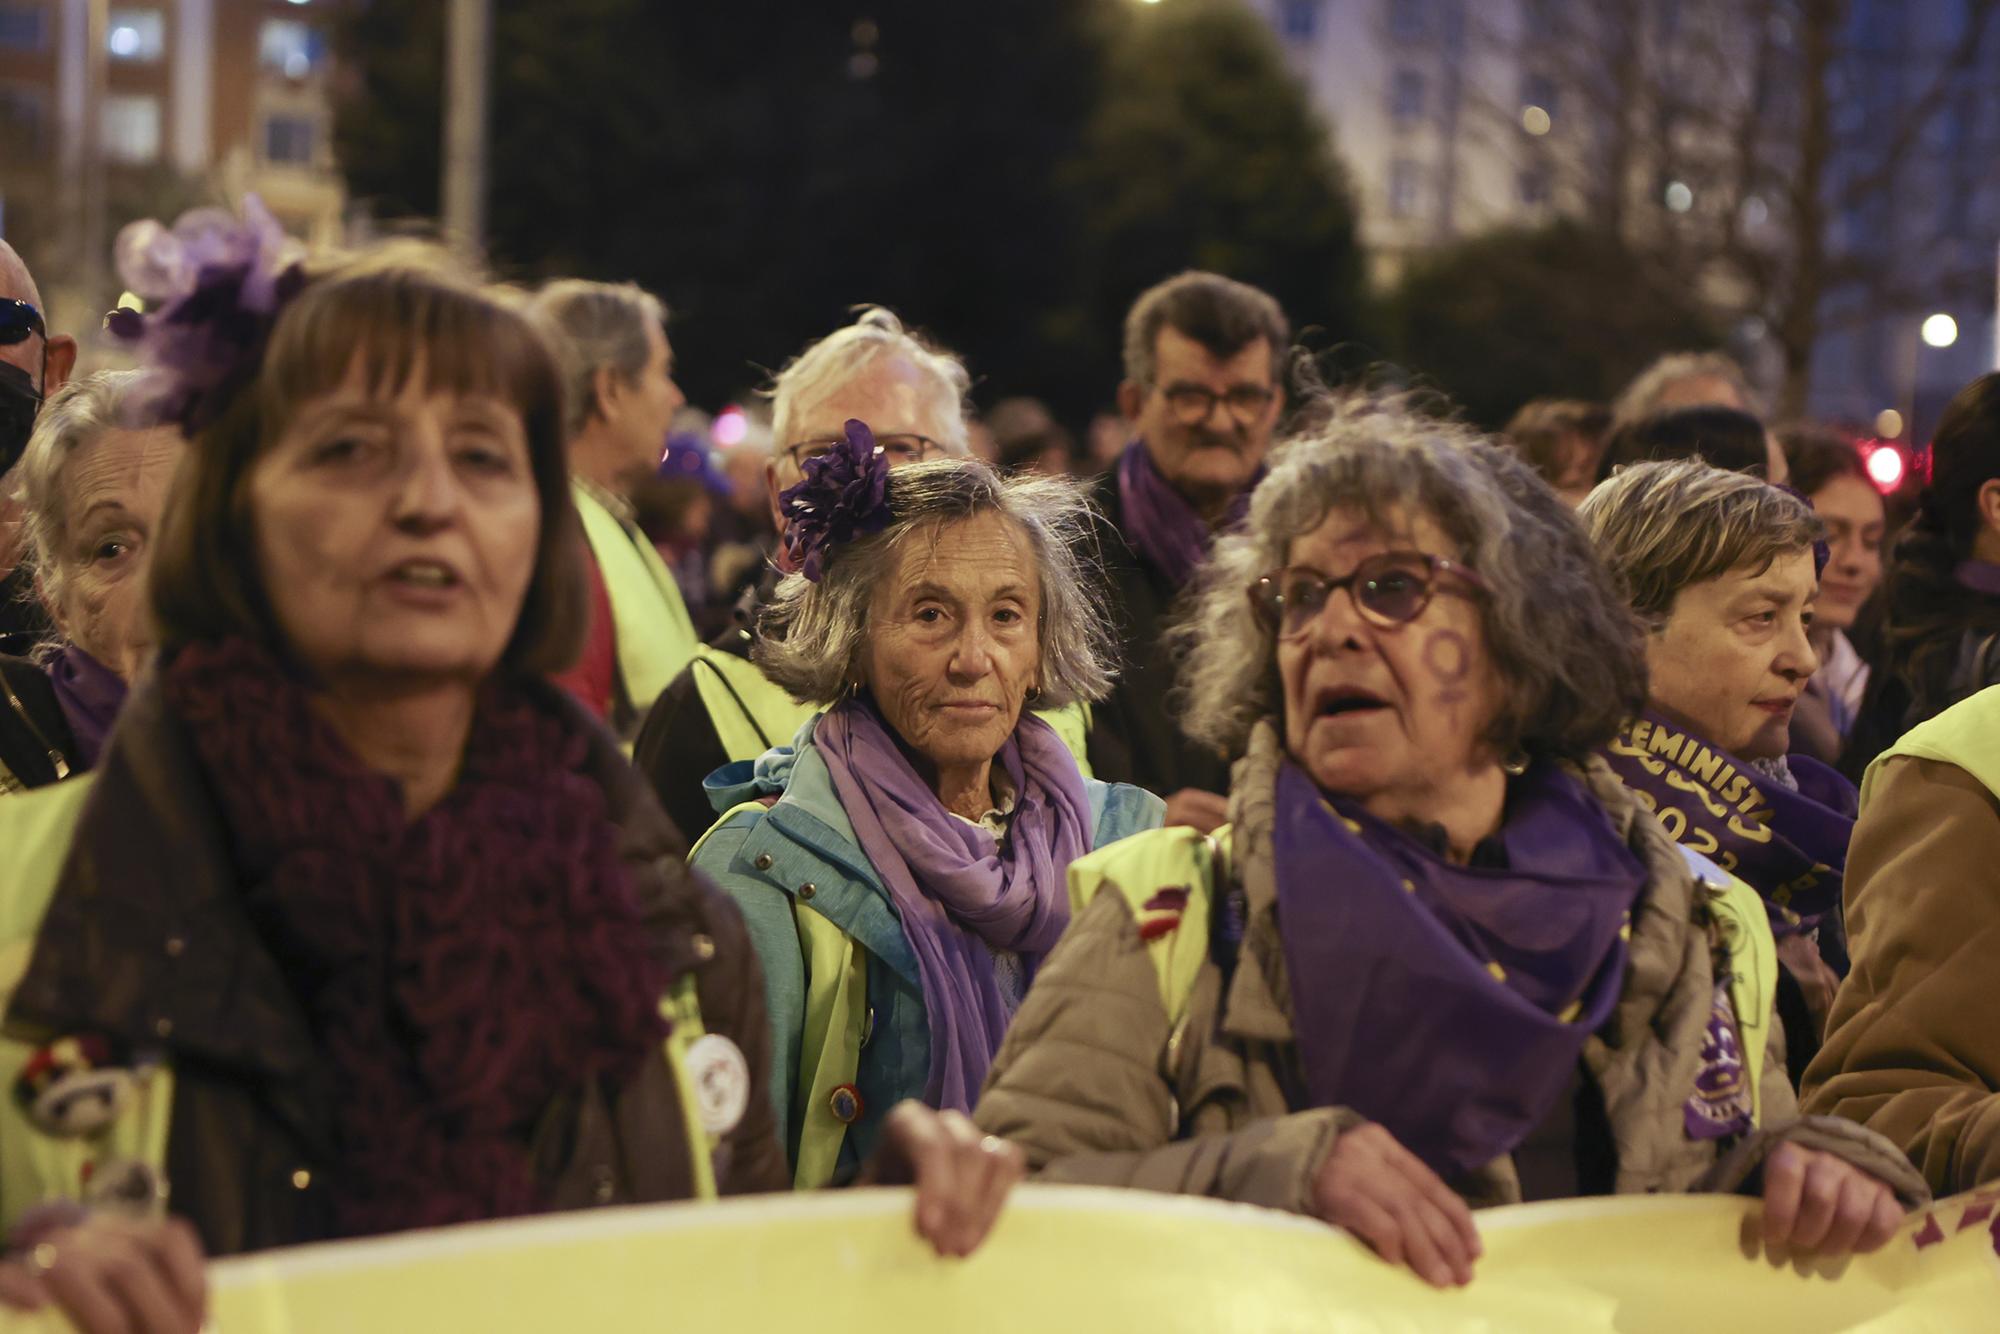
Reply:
x=1567, y=649
x=810, y=635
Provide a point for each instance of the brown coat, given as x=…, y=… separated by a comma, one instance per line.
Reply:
x=145, y=940
x=1912, y=1047
x=1097, y=1086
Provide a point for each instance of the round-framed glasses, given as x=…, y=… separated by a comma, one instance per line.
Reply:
x=1389, y=589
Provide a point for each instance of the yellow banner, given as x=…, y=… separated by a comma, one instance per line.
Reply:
x=1080, y=1259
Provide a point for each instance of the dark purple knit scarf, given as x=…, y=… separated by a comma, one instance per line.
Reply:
x=460, y=972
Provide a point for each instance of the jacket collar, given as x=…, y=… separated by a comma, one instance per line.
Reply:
x=1259, y=1003
x=145, y=939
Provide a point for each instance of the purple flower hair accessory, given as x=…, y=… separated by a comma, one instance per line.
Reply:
x=845, y=495
x=213, y=285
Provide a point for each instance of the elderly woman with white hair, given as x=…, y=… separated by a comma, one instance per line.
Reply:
x=91, y=491
x=902, y=866
x=1440, y=957
x=722, y=707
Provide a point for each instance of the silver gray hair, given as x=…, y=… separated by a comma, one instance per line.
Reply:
x=811, y=635
x=844, y=353
x=1642, y=396
x=75, y=416
x=593, y=326
x=1567, y=650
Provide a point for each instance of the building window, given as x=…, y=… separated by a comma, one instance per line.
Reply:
x=290, y=140
x=24, y=120
x=138, y=36
x=1535, y=186
x=290, y=48
x=1409, y=19
x=1539, y=90
x=1406, y=184
x=23, y=26
x=1406, y=95
x=131, y=128
x=1298, y=20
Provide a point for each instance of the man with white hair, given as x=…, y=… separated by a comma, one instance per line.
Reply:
x=611, y=343
x=33, y=365
x=911, y=394
x=1684, y=380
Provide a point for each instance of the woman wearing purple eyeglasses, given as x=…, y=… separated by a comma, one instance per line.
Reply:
x=1439, y=958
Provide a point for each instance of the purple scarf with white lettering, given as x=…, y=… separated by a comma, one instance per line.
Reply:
x=1450, y=1003
x=959, y=894
x=1159, y=524
x=1791, y=847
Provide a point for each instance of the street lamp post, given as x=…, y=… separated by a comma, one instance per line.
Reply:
x=1938, y=330
x=468, y=60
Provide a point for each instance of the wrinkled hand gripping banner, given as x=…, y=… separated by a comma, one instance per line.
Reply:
x=1078, y=1259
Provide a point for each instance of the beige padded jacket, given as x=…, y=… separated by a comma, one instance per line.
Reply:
x=1099, y=1084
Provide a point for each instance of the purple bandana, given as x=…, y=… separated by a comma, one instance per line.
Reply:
x=1159, y=523
x=1450, y=1003
x=960, y=895
x=1791, y=847
x=1979, y=576
x=90, y=695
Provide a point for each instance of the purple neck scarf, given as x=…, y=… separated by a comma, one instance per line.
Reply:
x=1159, y=523
x=960, y=896
x=1791, y=847
x=1982, y=577
x=90, y=695
x=1450, y=1003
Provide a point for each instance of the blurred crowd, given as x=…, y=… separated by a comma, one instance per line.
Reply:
x=447, y=776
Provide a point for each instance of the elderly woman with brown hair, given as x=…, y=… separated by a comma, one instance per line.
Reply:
x=1439, y=957
x=360, y=925
x=91, y=488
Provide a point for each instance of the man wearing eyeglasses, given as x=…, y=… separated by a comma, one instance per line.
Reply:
x=33, y=365
x=1202, y=394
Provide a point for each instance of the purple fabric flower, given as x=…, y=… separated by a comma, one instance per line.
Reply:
x=845, y=495
x=213, y=286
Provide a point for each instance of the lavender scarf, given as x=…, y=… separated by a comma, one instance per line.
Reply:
x=90, y=695
x=1159, y=524
x=961, y=896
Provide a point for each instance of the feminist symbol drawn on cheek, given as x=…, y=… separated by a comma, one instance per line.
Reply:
x=1448, y=657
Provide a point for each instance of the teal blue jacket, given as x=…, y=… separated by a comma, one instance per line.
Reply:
x=840, y=977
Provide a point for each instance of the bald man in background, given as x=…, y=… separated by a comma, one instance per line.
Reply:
x=33, y=365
